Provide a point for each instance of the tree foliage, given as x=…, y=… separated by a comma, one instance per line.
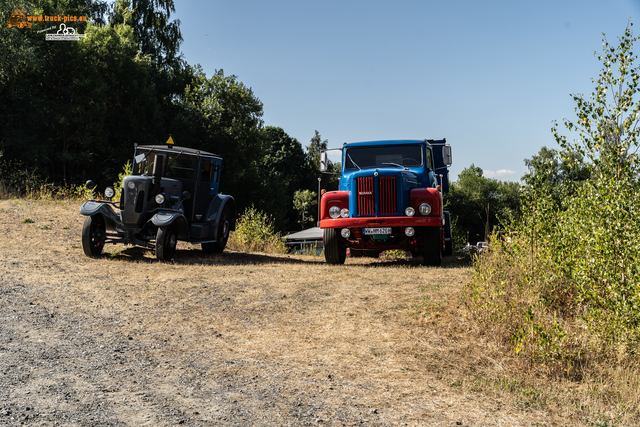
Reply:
x=72, y=111
x=305, y=201
x=567, y=292
x=479, y=205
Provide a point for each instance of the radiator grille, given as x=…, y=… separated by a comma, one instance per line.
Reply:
x=366, y=200
x=385, y=194
x=388, y=200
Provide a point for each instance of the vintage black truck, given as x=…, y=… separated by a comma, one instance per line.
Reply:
x=171, y=195
x=389, y=197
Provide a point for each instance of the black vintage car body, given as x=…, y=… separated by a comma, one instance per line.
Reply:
x=171, y=195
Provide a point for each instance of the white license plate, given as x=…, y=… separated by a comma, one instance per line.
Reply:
x=379, y=230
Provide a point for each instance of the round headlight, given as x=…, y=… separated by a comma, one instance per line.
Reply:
x=131, y=185
x=409, y=211
x=345, y=233
x=109, y=192
x=424, y=209
x=344, y=213
x=334, y=212
x=409, y=231
x=160, y=199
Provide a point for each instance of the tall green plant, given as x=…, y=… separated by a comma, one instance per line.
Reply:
x=568, y=288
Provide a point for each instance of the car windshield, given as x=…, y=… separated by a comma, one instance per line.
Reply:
x=383, y=156
x=179, y=164
x=144, y=163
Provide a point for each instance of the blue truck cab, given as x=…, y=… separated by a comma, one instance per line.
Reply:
x=389, y=197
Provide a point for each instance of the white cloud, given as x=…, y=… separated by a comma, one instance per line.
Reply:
x=503, y=174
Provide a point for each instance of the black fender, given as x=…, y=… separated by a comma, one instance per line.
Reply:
x=164, y=218
x=111, y=219
x=219, y=202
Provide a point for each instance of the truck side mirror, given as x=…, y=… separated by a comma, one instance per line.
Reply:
x=446, y=155
x=323, y=161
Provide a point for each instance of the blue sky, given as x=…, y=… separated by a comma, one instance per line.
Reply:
x=488, y=76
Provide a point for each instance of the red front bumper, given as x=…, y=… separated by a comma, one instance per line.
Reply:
x=387, y=221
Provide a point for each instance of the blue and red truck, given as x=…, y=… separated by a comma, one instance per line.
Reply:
x=389, y=197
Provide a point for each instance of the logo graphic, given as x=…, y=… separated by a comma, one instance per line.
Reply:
x=64, y=34
x=18, y=19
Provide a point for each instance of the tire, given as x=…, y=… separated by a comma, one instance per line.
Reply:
x=448, y=244
x=432, y=254
x=224, y=225
x=334, y=252
x=166, y=242
x=448, y=248
x=93, y=235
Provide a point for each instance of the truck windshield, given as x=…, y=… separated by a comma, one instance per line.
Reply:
x=383, y=156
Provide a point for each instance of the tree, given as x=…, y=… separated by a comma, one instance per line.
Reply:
x=222, y=115
x=555, y=173
x=157, y=36
x=478, y=204
x=284, y=168
x=330, y=180
x=304, y=201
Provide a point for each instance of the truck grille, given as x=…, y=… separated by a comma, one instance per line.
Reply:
x=388, y=200
x=385, y=194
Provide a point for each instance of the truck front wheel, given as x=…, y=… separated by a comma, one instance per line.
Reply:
x=432, y=247
x=334, y=252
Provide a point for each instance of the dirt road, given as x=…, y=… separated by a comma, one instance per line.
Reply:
x=234, y=339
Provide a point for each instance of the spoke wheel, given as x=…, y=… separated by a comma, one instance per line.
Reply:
x=93, y=235
x=334, y=252
x=222, y=236
x=166, y=242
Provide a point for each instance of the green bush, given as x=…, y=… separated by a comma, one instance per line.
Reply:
x=255, y=232
x=566, y=292
x=127, y=169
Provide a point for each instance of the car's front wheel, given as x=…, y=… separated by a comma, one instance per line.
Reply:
x=93, y=235
x=222, y=236
x=166, y=242
x=334, y=252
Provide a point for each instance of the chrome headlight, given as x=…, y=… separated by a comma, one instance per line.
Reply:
x=159, y=199
x=131, y=185
x=344, y=213
x=109, y=192
x=345, y=233
x=409, y=231
x=334, y=212
x=425, y=209
x=409, y=211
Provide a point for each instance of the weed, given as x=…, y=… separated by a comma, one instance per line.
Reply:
x=28, y=221
x=255, y=232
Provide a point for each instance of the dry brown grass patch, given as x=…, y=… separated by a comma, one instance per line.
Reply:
x=391, y=333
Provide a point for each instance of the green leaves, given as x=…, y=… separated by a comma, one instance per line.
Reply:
x=569, y=285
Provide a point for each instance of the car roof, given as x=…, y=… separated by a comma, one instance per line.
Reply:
x=394, y=142
x=174, y=148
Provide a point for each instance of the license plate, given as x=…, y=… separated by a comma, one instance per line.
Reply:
x=379, y=230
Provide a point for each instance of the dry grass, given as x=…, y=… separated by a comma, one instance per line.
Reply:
x=390, y=333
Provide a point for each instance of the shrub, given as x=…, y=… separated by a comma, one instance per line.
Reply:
x=255, y=232
x=566, y=292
